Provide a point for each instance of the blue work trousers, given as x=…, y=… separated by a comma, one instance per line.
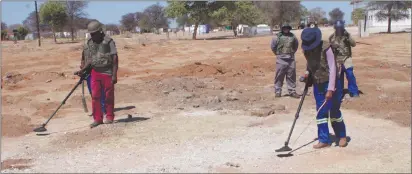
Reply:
x=331, y=108
x=350, y=76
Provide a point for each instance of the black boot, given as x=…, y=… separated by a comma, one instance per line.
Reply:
x=294, y=95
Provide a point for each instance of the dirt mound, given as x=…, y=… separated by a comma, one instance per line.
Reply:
x=12, y=78
x=16, y=164
x=46, y=109
x=14, y=126
x=197, y=69
x=47, y=77
x=36, y=92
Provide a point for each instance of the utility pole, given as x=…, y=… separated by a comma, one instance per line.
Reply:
x=38, y=23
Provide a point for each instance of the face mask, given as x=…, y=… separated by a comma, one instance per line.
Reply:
x=96, y=36
x=339, y=31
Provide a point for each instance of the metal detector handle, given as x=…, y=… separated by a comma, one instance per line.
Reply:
x=64, y=101
x=305, y=91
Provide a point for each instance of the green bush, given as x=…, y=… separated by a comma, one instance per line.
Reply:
x=22, y=32
x=3, y=34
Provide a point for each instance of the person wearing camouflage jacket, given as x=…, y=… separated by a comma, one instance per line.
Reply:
x=100, y=54
x=284, y=46
x=342, y=42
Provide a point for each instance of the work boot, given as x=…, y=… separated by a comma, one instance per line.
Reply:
x=320, y=145
x=277, y=95
x=108, y=122
x=95, y=124
x=343, y=142
x=294, y=95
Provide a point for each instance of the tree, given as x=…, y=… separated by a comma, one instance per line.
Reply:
x=75, y=10
x=128, y=21
x=390, y=10
x=303, y=12
x=290, y=12
x=22, y=32
x=3, y=26
x=30, y=21
x=14, y=26
x=144, y=24
x=324, y=21
x=112, y=27
x=183, y=21
x=197, y=11
x=316, y=14
x=234, y=13
x=336, y=14
x=54, y=14
x=3, y=30
x=156, y=17
x=280, y=12
x=269, y=10
x=357, y=15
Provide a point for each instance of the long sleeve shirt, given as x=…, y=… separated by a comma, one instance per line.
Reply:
x=332, y=69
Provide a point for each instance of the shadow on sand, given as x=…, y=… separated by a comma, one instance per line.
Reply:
x=129, y=120
x=124, y=108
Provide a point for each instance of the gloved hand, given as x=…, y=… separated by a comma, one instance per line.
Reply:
x=114, y=79
x=306, y=78
x=334, y=46
x=329, y=95
x=345, y=33
x=77, y=72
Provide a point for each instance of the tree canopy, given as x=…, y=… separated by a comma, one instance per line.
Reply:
x=357, y=15
x=54, y=14
x=336, y=14
x=128, y=21
x=197, y=11
x=234, y=13
x=75, y=11
x=317, y=14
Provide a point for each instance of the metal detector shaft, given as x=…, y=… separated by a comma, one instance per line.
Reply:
x=84, y=99
x=64, y=101
x=305, y=91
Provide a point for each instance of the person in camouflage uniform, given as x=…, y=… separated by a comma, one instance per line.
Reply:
x=100, y=54
x=16, y=36
x=284, y=46
x=342, y=42
x=322, y=69
x=89, y=81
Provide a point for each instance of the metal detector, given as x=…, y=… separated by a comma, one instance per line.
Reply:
x=286, y=147
x=42, y=128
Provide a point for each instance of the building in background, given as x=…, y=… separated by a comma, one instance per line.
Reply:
x=375, y=26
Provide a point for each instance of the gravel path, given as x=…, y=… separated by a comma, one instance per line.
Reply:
x=205, y=141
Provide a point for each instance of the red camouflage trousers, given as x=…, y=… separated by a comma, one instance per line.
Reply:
x=102, y=82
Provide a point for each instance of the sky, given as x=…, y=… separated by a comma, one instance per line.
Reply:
x=15, y=11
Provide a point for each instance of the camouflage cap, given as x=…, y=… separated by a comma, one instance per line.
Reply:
x=94, y=26
x=286, y=25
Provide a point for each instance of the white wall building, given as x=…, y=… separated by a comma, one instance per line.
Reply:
x=375, y=26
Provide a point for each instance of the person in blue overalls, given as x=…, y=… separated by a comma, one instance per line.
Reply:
x=323, y=74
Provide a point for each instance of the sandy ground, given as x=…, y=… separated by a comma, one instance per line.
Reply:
x=200, y=106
